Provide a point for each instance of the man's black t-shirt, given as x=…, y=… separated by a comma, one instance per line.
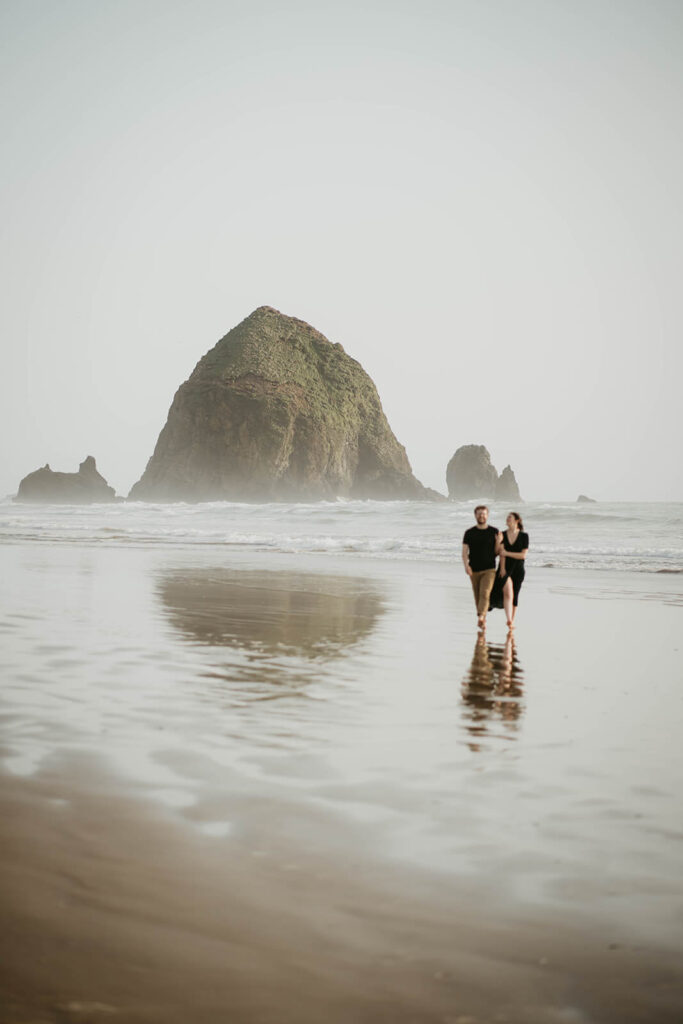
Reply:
x=482, y=545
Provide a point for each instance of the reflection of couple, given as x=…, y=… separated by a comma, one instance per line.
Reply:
x=481, y=545
x=492, y=688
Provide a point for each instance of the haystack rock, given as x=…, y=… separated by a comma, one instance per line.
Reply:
x=585, y=500
x=84, y=487
x=506, y=486
x=471, y=474
x=276, y=412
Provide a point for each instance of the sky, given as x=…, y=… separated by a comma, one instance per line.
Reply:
x=481, y=201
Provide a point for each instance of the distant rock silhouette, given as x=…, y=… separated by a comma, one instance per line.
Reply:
x=276, y=412
x=84, y=487
x=586, y=500
x=470, y=474
x=506, y=486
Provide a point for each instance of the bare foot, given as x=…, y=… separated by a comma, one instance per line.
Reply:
x=511, y=625
x=481, y=622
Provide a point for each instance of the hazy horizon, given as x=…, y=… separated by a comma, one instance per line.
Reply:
x=481, y=203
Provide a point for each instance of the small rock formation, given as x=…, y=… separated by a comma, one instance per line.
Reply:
x=276, y=412
x=586, y=500
x=506, y=486
x=84, y=487
x=470, y=474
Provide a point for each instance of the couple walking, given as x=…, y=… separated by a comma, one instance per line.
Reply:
x=481, y=545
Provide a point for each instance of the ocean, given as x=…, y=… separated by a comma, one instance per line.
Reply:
x=632, y=537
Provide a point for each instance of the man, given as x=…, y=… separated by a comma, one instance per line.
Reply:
x=479, y=559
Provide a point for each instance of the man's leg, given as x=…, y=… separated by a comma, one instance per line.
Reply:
x=486, y=581
x=475, y=578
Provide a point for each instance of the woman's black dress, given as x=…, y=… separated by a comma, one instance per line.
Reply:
x=514, y=570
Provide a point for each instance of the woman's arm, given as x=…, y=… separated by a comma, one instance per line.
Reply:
x=500, y=551
x=517, y=554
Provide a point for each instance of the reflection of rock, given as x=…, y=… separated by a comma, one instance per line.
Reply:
x=470, y=474
x=492, y=688
x=276, y=412
x=279, y=612
x=584, y=499
x=66, y=488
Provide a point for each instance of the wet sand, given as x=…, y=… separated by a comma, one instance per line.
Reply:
x=112, y=912
x=483, y=833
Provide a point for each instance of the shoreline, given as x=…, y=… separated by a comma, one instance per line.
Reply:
x=625, y=537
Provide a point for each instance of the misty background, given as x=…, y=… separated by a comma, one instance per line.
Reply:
x=479, y=201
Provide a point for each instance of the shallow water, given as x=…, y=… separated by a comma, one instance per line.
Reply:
x=549, y=766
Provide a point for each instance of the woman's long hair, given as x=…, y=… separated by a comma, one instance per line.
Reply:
x=520, y=524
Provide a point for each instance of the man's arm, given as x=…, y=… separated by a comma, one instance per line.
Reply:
x=466, y=559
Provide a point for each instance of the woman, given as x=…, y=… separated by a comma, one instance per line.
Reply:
x=512, y=549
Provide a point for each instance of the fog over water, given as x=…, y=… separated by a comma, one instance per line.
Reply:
x=480, y=202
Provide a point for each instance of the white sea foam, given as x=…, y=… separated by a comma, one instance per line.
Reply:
x=624, y=536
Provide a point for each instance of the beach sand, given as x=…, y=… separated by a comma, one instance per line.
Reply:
x=285, y=790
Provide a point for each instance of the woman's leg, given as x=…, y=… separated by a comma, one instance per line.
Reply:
x=508, y=598
x=515, y=600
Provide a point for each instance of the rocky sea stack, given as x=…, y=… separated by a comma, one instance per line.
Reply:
x=84, y=487
x=276, y=412
x=506, y=486
x=471, y=474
